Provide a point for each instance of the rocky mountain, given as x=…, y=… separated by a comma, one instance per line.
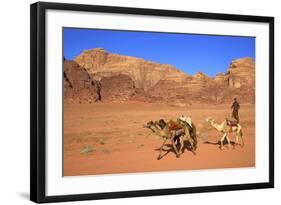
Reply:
x=101, y=76
x=78, y=84
x=145, y=74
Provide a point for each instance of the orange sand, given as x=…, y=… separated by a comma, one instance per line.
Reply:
x=119, y=144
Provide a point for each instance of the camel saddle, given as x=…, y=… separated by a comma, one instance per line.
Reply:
x=232, y=123
x=174, y=125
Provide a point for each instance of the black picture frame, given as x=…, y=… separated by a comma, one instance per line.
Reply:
x=38, y=101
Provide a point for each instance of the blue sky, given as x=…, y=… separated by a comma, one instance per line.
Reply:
x=188, y=52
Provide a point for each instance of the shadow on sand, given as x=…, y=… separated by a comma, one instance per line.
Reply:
x=169, y=148
x=224, y=143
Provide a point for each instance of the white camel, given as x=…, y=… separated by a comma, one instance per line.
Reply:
x=225, y=128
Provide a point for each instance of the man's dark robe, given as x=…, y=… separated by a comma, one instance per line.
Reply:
x=235, y=107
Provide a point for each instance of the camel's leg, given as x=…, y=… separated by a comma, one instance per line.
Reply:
x=193, y=147
x=221, y=141
x=228, y=141
x=161, y=148
x=238, y=134
x=192, y=143
x=181, y=144
x=178, y=144
x=241, y=135
x=189, y=140
x=175, y=148
x=242, y=140
x=195, y=144
x=237, y=138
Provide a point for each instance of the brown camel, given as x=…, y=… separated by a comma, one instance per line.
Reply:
x=162, y=129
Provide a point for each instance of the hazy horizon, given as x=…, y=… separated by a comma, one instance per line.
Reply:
x=191, y=53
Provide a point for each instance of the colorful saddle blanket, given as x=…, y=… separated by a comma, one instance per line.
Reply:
x=232, y=123
x=174, y=125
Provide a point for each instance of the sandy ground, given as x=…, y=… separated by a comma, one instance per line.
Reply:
x=107, y=138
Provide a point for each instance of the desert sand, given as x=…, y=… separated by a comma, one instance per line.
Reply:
x=109, y=138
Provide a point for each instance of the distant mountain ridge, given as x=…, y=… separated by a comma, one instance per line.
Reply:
x=145, y=74
x=119, y=78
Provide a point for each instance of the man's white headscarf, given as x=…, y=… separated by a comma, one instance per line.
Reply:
x=186, y=119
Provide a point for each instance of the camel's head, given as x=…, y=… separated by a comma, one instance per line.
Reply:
x=209, y=119
x=162, y=124
x=148, y=124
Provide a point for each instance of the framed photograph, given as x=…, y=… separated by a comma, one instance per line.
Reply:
x=129, y=102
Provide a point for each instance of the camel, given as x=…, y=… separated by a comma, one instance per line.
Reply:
x=190, y=129
x=162, y=129
x=175, y=131
x=226, y=127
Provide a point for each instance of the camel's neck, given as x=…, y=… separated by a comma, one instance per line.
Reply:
x=157, y=131
x=217, y=126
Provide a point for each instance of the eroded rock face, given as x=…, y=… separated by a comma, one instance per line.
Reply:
x=238, y=81
x=117, y=88
x=221, y=79
x=241, y=73
x=117, y=78
x=166, y=91
x=78, y=84
x=241, y=80
x=145, y=74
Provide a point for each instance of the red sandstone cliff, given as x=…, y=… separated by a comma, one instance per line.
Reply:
x=115, y=78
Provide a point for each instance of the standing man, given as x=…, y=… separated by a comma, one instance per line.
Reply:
x=235, y=107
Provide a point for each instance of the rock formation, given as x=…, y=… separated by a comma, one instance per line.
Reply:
x=241, y=73
x=117, y=88
x=145, y=74
x=96, y=75
x=78, y=84
x=240, y=80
